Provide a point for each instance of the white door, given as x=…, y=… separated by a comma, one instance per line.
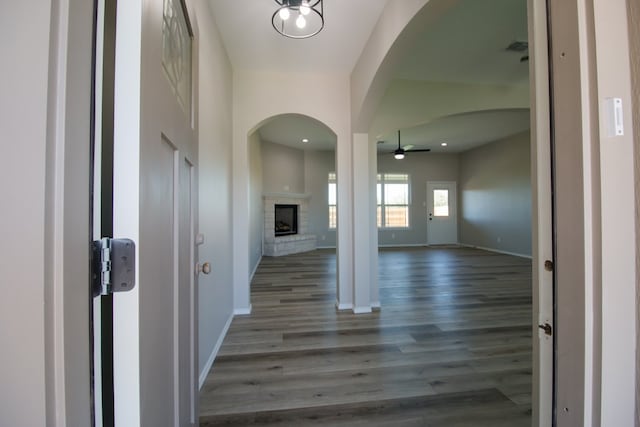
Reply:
x=155, y=156
x=442, y=219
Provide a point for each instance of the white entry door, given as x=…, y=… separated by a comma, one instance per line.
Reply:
x=442, y=219
x=155, y=158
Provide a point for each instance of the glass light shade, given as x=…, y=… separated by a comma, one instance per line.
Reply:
x=301, y=22
x=399, y=156
x=298, y=19
x=284, y=13
x=304, y=8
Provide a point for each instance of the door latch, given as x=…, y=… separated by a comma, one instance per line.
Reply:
x=548, y=330
x=113, y=266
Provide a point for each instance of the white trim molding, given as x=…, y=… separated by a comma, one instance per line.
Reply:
x=496, y=251
x=342, y=306
x=362, y=310
x=214, y=352
x=242, y=311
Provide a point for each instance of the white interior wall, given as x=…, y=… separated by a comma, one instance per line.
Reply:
x=283, y=170
x=317, y=166
x=494, y=192
x=23, y=121
x=215, y=302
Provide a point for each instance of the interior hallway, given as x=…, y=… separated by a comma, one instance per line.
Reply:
x=450, y=347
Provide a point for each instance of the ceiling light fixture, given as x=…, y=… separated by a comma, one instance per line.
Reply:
x=399, y=153
x=305, y=140
x=298, y=19
x=444, y=144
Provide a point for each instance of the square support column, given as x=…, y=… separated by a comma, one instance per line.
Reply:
x=362, y=224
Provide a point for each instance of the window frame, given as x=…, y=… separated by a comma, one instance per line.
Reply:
x=332, y=179
x=381, y=180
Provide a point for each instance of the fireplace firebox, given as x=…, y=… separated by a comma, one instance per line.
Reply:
x=286, y=222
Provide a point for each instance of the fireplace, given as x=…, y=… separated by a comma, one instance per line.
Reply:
x=286, y=220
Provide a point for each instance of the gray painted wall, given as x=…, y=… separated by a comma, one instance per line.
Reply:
x=215, y=299
x=494, y=192
x=256, y=203
x=317, y=166
x=421, y=167
x=283, y=170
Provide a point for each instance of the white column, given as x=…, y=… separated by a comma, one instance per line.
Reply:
x=361, y=224
x=373, y=225
x=344, y=235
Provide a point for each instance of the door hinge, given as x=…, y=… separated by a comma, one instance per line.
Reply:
x=113, y=266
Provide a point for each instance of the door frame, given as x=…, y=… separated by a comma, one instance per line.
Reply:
x=542, y=233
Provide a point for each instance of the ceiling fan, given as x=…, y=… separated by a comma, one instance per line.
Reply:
x=401, y=151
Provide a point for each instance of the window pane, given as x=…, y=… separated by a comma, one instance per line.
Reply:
x=379, y=216
x=333, y=217
x=176, y=52
x=396, y=194
x=397, y=177
x=440, y=202
x=379, y=193
x=396, y=216
x=332, y=194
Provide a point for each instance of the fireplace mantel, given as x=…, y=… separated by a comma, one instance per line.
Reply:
x=286, y=196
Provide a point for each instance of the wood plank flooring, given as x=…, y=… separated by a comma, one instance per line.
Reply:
x=450, y=347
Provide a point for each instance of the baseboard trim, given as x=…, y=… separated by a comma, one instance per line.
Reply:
x=376, y=304
x=325, y=247
x=408, y=245
x=496, y=251
x=214, y=353
x=242, y=311
x=255, y=268
x=341, y=306
x=362, y=310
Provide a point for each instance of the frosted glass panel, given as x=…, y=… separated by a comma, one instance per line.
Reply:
x=176, y=52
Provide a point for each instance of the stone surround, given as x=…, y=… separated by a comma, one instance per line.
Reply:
x=292, y=244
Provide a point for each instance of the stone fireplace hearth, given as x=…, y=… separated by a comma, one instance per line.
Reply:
x=287, y=244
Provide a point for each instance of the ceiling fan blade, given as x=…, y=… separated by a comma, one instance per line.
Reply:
x=408, y=147
x=424, y=150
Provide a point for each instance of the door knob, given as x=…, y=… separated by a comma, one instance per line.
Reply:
x=203, y=268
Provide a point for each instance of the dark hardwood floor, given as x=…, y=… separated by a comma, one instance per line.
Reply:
x=450, y=347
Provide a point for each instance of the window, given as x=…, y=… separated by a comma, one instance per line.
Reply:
x=333, y=214
x=176, y=51
x=393, y=200
x=440, y=202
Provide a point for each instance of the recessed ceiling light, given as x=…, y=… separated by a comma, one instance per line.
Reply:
x=305, y=140
x=444, y=144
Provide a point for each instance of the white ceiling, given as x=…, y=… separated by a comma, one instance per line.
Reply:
x=461, y=132
x=252, y=43
x=291, y=129
x=467, y=45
